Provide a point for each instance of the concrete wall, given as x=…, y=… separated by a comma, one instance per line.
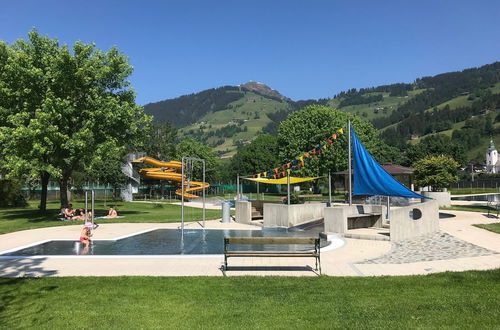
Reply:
x=404, y=222
x=442, y=197
x=281, y=215
x=243, y=212
x=259, y=204
x=336, y=217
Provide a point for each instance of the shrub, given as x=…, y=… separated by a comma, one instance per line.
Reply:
x=11, y=194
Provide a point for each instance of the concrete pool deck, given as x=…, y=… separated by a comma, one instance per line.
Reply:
x=344, y=261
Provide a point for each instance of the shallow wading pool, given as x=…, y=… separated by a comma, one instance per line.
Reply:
x=165, y=242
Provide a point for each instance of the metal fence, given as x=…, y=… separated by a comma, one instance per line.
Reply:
x=481, y=183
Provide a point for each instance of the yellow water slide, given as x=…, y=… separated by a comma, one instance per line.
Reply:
x=170, y=171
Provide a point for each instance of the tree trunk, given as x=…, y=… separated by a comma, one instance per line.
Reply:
x=43, y=198
x=64, y=188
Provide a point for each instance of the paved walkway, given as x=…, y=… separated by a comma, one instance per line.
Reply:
x=348, y=260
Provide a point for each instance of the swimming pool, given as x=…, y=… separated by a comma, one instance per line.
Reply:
x=165, y=242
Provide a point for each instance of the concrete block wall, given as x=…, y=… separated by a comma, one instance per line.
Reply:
x=442, y=197
x=243, y=212
x=282, y=215
x=336, y=216
x=414, y=220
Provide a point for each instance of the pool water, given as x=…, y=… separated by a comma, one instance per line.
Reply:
x=168, y=242
x=479, y=198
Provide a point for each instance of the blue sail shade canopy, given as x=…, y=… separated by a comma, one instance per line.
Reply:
x=371, y=179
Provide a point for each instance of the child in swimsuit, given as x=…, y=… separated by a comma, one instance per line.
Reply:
x=86, y=234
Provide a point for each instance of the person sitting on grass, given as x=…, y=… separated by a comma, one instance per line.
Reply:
x=79, y=214
x=69, y=212
x=112, y=213
x=85, y=234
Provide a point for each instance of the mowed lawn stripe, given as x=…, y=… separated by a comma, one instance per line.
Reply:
x=447, y=300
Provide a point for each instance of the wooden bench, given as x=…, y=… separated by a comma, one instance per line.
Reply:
x=272, y=240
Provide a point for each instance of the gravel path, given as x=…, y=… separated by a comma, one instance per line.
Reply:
x=436, y=246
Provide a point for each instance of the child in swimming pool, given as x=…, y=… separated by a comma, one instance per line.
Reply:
x=85, y=234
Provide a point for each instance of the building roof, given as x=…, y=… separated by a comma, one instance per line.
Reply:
x=390, y=168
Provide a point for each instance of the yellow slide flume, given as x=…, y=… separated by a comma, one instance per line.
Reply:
x=170, y=171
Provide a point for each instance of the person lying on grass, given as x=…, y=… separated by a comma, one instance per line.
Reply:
x=82, y=215
x=85, y=234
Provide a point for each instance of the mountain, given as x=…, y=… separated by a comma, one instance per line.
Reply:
x=227, y=117
x=462, y=105
x=264, y=90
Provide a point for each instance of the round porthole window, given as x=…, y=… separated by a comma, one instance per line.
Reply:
x=415, y=214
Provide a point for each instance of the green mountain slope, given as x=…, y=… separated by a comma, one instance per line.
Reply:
x=238, y=124
x=230, y=116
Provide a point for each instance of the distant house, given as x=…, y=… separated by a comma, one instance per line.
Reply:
x=414, y=137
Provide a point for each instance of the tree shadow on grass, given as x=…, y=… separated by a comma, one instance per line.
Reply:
x=19, y=301
x=29, y=215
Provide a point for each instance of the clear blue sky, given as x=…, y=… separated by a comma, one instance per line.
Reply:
x=304, y=49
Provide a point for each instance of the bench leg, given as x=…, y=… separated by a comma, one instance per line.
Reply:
x=318, y=263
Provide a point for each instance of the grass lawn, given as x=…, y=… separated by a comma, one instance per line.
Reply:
x=14, y=219
x=468, y=208
x=494, y=227
x=447, y=300
x=469, y=191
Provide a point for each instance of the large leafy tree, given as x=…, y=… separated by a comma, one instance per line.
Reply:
x=304, y=129
x=437, y=172
x=435, y=145
x=64, y=109
x=259, y=156
x=192, y=148
x=160, y=141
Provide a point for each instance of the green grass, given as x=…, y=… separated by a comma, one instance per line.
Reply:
x=468, y=208
x=494, y=227
x=469, y=191
x=15, y=219
x=448, y=300
x=390, y=103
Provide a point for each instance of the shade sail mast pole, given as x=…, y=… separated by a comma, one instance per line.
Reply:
x=288, y=188
x=350, y=168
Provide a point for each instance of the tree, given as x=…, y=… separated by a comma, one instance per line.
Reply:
x=304, y=129
x=192, y=148
x=435, y=145
x=64, y=110
x=258, y=156
x=160, y=141
x=437, y=172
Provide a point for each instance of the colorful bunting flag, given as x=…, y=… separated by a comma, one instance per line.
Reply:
x=300, y=161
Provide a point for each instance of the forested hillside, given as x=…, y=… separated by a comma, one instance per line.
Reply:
x=227, y=117
x=461, y=106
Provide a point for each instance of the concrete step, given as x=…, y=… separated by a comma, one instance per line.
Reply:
x=367, y=237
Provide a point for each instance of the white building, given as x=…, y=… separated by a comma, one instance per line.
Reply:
x=492, y=161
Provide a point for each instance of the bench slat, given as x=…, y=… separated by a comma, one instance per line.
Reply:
x=269, y=254
x=271, y=240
